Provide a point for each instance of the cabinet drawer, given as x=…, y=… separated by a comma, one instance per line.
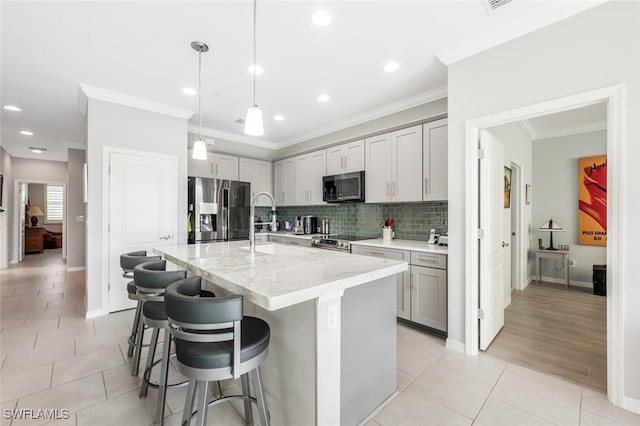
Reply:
x=430, y=260
x=380, y=252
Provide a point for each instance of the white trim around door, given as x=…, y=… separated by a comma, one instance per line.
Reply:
x=614, y=96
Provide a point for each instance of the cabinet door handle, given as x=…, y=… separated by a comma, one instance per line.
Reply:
x=342, y=162
x=426, y=185
x=216, y=169
x=387, y=188
x=394, y=189
x=211, y=168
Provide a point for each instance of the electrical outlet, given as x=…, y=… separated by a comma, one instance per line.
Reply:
x=332, y=316
x=572, y=263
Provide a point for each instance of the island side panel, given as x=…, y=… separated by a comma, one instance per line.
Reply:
x=289, y=372
x=369, y=357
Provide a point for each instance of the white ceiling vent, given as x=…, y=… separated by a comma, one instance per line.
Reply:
x=240, y=121
x=492, y=5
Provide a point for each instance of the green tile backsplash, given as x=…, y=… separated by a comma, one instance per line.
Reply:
x=412, y=221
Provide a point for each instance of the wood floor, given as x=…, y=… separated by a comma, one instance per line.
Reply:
x=556, y=331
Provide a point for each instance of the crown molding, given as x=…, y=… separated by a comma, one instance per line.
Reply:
x=576, y=130
x=401, y=105
x=231, y=137
x=527, y=128
x=513, y=30
x=87, y=91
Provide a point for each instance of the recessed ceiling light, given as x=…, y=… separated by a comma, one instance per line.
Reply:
x=189, y=91
x=12, y=108
x=278, y=117
x=321, y=18
x=391, y=67
x=26, y=133
x=37, y=150
x=255, y=69
x=323, y=98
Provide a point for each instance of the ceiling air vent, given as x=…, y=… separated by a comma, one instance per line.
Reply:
x=240, y=121
x=491, y=5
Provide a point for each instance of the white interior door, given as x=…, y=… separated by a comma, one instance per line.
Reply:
x=491, y=250
x=23, y=195
x=142, y=207
x=506, y=245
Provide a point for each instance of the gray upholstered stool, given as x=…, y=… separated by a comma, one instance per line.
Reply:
x=128, y=261
x=214, y=341
x=152, y=279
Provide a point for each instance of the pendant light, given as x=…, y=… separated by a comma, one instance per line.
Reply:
x=253, y=122
x=199, y=147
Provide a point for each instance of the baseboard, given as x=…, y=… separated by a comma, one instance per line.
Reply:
x=76, y=268
x=378, y=409
x=630, y=404
x=95, y=313
x=574, y=283
x=454, y=345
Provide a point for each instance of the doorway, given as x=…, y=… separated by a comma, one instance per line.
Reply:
x=613, y=97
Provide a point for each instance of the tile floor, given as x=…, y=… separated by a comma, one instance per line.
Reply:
x=52, y=358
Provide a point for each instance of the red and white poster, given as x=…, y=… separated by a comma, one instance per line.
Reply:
x=592, y=200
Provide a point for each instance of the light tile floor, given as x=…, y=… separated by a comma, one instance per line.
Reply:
x=52, y=358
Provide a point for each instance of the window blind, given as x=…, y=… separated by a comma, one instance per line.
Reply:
x=55, y=197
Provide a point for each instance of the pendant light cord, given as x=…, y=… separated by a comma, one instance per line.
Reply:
x=255, y=66
x=200, y=93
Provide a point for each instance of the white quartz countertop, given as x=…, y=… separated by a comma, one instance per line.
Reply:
x=403, y=245
x=279, y=275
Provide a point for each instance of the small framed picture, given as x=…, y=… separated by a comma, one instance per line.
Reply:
x=527, y=194
x=507, y=187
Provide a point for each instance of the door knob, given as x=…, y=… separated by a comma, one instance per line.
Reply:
x=505, y=244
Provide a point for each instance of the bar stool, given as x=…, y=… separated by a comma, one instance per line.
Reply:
x=214, y=341
x=128, y=261
x=152, y=279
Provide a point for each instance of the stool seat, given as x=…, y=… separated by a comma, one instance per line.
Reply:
x=254, y=339
x=154, y=311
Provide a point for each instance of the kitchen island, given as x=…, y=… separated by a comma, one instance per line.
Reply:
x=332, y=356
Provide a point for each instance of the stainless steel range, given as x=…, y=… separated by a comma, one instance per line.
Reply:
x=336, y=242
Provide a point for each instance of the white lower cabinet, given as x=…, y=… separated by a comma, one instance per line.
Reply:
x=422, y=290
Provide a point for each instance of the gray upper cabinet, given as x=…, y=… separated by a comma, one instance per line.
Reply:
x=435, y=161
x=345, y=158
x=217, y=166
x=258, y=173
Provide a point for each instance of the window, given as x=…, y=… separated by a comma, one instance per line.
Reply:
x=55, y=197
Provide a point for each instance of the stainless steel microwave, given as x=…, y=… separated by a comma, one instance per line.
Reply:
x=348, y=187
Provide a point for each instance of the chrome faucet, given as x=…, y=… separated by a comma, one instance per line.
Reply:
x=252, y=224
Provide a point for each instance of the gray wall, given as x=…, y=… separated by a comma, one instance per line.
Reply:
x=75, y=208
x=555, y=180
x=426, y=112
x=114, y=125
x=595, y=49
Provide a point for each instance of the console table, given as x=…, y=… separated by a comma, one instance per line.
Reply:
x=553, y=255
x=34, y=240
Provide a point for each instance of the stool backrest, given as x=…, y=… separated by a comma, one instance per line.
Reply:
x=153, y=276
x=195, y=318
x=128, y=261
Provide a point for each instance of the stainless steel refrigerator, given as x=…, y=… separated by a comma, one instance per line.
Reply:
x=218, y=210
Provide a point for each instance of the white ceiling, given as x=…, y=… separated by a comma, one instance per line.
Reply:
x=142, y=49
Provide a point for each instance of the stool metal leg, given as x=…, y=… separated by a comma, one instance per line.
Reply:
x=246, y=392
x=134, y=330
x=202, y=404
x=164, y=375
x=188, y=403
x=262, y=403
x=138, y=349
x=150, y=358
